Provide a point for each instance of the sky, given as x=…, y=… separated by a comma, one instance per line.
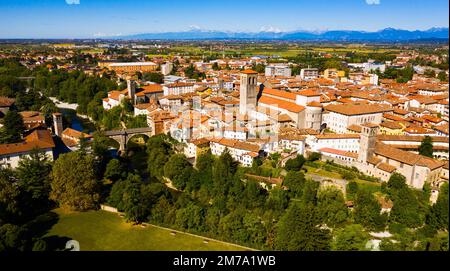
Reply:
x=100, y=18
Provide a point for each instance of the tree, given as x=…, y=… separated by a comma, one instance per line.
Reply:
x=114, y=170
x=295, y=181
x=12, y=129
x=438, y=216
x=215, y=66
x=158, y=154
x=13, y=238
x=430, y=73
x=278, y=200
x=73, y=182
x=39, y=245
x=155, y=77
x=350, y=238
x=442, y=76
x=331, y=206
x=298, y=230
x=309, y=193
x=295, y=164
x=426, y=147
x=352, y=189
x=223, y=171
x=314, y=156
x=190, y=217
x=204, y=165
x=33, y=174
x=406, y=208
x=178, y=170
x=10, y=209
x=367, y=211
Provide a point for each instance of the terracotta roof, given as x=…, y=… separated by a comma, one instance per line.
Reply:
x=152, y=88
x=358, y=109
x=419, y=130
x=373, y=160
x=309, y=93
x=279, y=93
x=236, y=144
x=314, y=104
x=200, y=141
x=386, y=167
x=410, y=138
x=355, y=128
x=289, y=106
x=179, y=84
x=338, y=136
x=41, y=139
x=406, y=157
x=370, y=125
x=249, y=72
x=400, y=111
x=284, y=118
x=339, y=152
x=391, y=125
x=69, y=132
x=6, y=102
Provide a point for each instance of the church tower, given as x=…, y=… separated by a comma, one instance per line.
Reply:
x=367, y=142
x=57, y=124
x=131, y=87
x=247, y=98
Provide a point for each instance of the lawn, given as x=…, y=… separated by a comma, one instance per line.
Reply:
x=100, y=230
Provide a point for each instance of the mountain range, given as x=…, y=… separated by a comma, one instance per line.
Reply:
x=387, y=34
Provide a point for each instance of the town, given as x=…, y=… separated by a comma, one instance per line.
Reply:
x=349, y=129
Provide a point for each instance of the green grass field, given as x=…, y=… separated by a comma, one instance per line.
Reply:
x=103, y=231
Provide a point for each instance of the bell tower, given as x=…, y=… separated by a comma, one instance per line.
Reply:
x=57, y=124
x=247, y=98
x=367, y=142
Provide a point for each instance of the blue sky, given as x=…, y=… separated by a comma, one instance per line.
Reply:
x=97, y=18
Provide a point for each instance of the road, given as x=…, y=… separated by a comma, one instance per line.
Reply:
x=63, y=105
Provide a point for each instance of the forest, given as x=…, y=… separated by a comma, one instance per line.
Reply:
x=215, y=199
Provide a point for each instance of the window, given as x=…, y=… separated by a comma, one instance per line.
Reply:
x=401, y=165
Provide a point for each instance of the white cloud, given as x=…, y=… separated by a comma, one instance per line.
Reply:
x=373, y=2
x=270, y=29
x=73, y=2
x=194, y=27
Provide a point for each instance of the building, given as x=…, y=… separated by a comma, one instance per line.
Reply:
x=10, y=154
x=340, y=116
x=278, y=70
x=33, y=120
x=241, y=151
x=72, y=138
x=133, y=67
x=371, y=65
x=57, y=124
x=247, y=95
x=309, y=73
x=196, y=147
x=166, y=68
x=5, y=104
x=178, y=88
x=381, y=160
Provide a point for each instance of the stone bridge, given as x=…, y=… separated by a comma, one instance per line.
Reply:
x=123, y=136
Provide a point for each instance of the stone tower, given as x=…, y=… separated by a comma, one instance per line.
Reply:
x=247, y=98
x=367, y=142
x=131, y=86
x=57, y=124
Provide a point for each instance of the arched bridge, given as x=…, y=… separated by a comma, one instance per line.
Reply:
x=123, y=136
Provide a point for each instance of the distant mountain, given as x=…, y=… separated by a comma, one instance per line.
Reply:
x=388, y=34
